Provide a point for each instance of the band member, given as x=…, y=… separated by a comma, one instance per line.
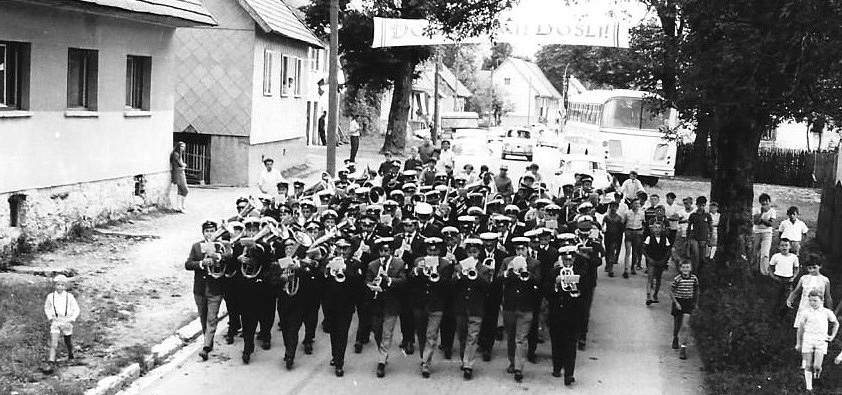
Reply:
x=232, y=283
x=547, y=256
x=492, y=257
x=426, y=222
x=471, y=279
x=308, y=212
x=454, y=253
x=292, y=300
x=384, y=277
x=566, y=311
x=590, y=251
x=412, y=246
x=366, y=252
x=521, y=277
x=344, y=278
x=428, y=283
x=259, y=284
x=207, y=290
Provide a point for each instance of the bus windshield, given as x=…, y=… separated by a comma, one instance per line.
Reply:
x=633, y=113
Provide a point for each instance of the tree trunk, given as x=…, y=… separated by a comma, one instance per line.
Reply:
x=700, y=163
x=395, y=141
x=737, y=138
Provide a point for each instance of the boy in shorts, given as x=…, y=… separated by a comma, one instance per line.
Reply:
x=812, y=336
x=685, y=299
x=656, y=248
x=61, y=310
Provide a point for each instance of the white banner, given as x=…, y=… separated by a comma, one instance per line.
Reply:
x=389, y=32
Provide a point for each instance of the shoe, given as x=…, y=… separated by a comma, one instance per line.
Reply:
x=655, y=299
x=358, y=348
x=486, y=356
x=675, y=343
x=332, y=362
x=633, y=272
x=289, y=364
x=582, y=344
x=246, y=357
x=625, y=274
x=518, y=376
x=308, y=348
x=448, y=354
x=532, y=358
x=204, y=354
x=339, y=372
x=510, y=369
x=610, y=274
x=646, y=271
x=648, y=302
x=556, y=373
x=381, y=370
x=229, y=339
x=410, y=348
x=425, y=370
x=467, y=374
x=682, y=354
x=265, y=344
x=569, y=380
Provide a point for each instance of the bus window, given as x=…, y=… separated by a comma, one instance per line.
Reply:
x=622, y=112
x=652, y=118
x=615, y=149
x=661, y=152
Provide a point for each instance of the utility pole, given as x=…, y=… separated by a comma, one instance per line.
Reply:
x=333, y=88
x=434, y=132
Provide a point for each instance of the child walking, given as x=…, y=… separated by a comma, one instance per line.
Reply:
x=784, y=266
x=685, y=299
x=813, y=280
x=61, y=310
x=656, y=248
x=812, y=336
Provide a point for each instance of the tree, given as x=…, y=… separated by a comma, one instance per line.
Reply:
x=380, y=68
x=750, y=64
x=499, y=53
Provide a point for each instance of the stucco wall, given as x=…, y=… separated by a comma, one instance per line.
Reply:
x=47, y=148
x=229, y=160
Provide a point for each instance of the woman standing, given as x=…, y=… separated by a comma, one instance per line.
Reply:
x=179, y=178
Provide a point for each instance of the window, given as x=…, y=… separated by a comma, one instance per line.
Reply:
x=286, y=76
x=507, y=81
x=138, y=76
x=299, y=71
x=82, y=79
x=14, y=75
x=268, y=60
x=16, y=208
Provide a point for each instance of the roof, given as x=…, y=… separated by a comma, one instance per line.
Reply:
x=425, y=83
x=602, y=95
x=184, y=10
x=275, y=16
x=533, y=74
x=575, y=86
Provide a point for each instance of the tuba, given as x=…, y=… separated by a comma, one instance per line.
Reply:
x=288, y=267
x=214, y=250
x=568, y=281
x=250, y=265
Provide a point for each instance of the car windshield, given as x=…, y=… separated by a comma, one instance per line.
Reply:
x=471, y=147
x=581, y=166
x=519, y=133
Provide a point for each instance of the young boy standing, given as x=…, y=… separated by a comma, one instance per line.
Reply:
x=793, y=229
x=656, y=248
x=613, y=224
x=713, y=210
x=784, y=266
x=698, y=234
x=812, y=336
x=685, y=299
x=61, y=310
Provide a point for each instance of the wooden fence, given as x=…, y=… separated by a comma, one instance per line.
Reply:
x=778, y=166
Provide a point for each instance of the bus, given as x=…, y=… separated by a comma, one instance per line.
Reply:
x=629, y=127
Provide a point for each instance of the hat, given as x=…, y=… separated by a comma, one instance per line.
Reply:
x=466, y=218
x=585, y=218
x=473, y=242
x=476, y=211
x=423, y=209
x=374, y=207
x=342, y=243
x=409, y=220
x=384, y=240
x=391, y=202
x=488, y=236
x=543, y=202
x=521, y=240
x=512, y=207
x=529, y=176
x=504, y=167
x=298, y=183
x=268, y=220
x=209, y=225
x=585, y=177
x=290, y=241
x=496, y=202
x=567, y=250
x=585, y=205
x=501, y=218
x=533, y=233
x=329, y=213
x=363, y=190
x=308, y=202
x=241, y=199
x=449, y=230
x=441, y=175
x=584, y=226
x=432, y=193
x=566, y=237
x=433, y=241
x=342, y=171
x=251, y=221
x=397, y=192
x=409, y=185
x=311, y=224
x=410, y=173
x=441, y=188
x=236, y=225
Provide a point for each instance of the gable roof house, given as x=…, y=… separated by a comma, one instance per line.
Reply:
x=244, y=91
x=86, y=110
x=534, y=98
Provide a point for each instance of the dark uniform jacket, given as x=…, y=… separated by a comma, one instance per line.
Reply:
x=340, y=297
x=469, y=295
x=565, y=311
x=425, y=293
x=519, y=295
x=203, y=284
x=389, y=299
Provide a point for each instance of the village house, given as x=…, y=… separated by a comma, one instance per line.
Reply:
x=86, y=110
x=244, y=91
x=532, y=97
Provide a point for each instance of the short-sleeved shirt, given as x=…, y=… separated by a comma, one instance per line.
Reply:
x=630, y=188
x=785, y=265
x=685, y=287
x=699, y=226
x=815, y=323
x=792, y=231
x=683, y=216
x=669, y=211
x=634, y=220
x=770, y=215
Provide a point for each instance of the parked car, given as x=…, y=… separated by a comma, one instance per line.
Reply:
x=518, y=141
x=572, y=166
x=474, y=151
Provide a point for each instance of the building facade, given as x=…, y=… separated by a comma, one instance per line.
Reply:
x=244, y=91
x=86, y=108
x=533, y=98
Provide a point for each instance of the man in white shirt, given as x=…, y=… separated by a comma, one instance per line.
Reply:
x=355, y=139
x=269, y=178
x=631, y=187
x=793, y=229
x=446, y=157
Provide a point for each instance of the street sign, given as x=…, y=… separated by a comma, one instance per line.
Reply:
x=599, y=32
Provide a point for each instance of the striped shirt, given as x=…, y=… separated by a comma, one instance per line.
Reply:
x=685, y=287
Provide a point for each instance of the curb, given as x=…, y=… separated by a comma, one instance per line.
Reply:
x=159, y=355
x=48, y=272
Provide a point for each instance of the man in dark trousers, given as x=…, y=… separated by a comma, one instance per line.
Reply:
x=322, y=127
x=566, y=311
x=260, y=280
x=521, y=277
x=590, y=251
x=471, y=279
x=547, y=256
x=412, y=247
x=344, y=278
x=385, y=277
x=207, y=290
x=492, y=257
x=455, y=253
x=429, y=281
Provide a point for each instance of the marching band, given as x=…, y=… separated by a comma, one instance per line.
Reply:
x=442, y=256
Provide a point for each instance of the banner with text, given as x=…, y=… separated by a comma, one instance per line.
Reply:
x=390, y=32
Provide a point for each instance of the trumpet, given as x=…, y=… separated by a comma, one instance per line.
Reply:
x=489, y=263
x=469, y=273
x=431, y=269
x=567, y=281
x=523, y=274
x=337, y=269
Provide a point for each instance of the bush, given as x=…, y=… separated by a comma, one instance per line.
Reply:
x=747, y=345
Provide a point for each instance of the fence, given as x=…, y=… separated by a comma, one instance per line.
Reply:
x=777, y=166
